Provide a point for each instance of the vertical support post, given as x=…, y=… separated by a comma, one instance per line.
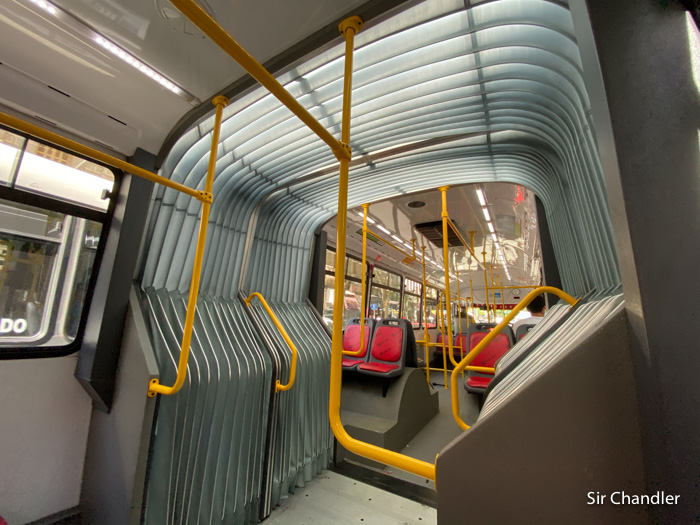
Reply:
x=425, y=319
x=446, y=262
x=493, y=292
x=155, y=387
x=486, y=286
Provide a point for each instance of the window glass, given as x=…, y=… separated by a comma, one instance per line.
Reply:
x=354, y=268
x=330, y=261
x=384, y=304
x=46, y=261
x=412, y=287
x=50, y=171
x=411, y=309
x=352, y=305
x=431, y=293
x=328, y=296
x=384, y=278
x=431, y=306
x=10, y=148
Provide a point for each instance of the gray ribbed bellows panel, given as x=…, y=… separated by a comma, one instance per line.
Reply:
x=207, y=454
x=304, y=442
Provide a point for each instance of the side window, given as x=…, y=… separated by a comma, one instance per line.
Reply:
x=431, y=304
x=352, y=301
x=412, y=302
x=385, y=295
x=53, y=213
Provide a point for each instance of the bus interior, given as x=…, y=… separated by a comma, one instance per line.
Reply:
x=271, y=262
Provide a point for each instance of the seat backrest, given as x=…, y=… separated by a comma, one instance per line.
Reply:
x=495, y=349
x=351, y=337
x=411, y=353
x=389, y=341
x=522, y=330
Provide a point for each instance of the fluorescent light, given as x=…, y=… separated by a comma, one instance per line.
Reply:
x=399, y=239
x=491, y=227
x=371, y=221
x=383, y=229
x=480, y=194
x=361, y=215
x=486, y=214
x=46, y=6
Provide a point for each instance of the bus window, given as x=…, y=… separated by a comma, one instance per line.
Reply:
x=385, y=295
x=50, y=171
x=46, y=260
x=431, y=295
x=352, y=303
x=11, y=147
x=412, y=302
x=52, y=218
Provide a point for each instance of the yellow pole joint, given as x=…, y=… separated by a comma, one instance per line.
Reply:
x=354, y=23
x=443, y=190
x=293, y=369
x=491, y=336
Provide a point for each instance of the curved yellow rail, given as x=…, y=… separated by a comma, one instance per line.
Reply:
x=491, y=335
x=293, y=370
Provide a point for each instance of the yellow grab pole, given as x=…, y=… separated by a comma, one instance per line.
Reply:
x=446, y=257
x=486, y=286
x=491, y=335
x=459, y=315
x=493, y=292
x=503, y=295
x=425, y=319
x=349, y=28
x=471, y=294
x=220, y=37
x=293, y=368
x=155, y=387
x=365, y=209
x=87, y=151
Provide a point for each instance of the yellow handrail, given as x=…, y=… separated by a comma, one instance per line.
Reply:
x=154, y=386
x=293, y=370
x=491, y=335
x=87, y=151
x=205, y=196
x=349, y=28
x=219, y=36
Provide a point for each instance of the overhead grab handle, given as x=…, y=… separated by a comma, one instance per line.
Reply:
x=293, y=370
x=463, y=364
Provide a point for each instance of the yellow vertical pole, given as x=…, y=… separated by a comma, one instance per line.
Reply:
x=503, y=295
x=155, y=387
x=471, y=295
x=425, y=319
x=493, y=293
x=446, y=261
x=486, y=287
x=459, y=314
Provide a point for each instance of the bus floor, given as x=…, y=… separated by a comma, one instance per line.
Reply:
x=439, y=431
x=333, y=498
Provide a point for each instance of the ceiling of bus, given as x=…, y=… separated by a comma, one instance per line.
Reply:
x=510, y=206
x=442, y=95
x=104, y=99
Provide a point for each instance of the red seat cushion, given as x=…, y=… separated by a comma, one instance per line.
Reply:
x=493, y=352
x=377, y=367
x=347, y=362
x=387, y=343
x=478, y=381
x=440, y=340
x=351, y=339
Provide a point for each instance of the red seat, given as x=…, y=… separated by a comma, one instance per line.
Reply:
x=351, y=343
x=388, y=349
x=478, y=381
